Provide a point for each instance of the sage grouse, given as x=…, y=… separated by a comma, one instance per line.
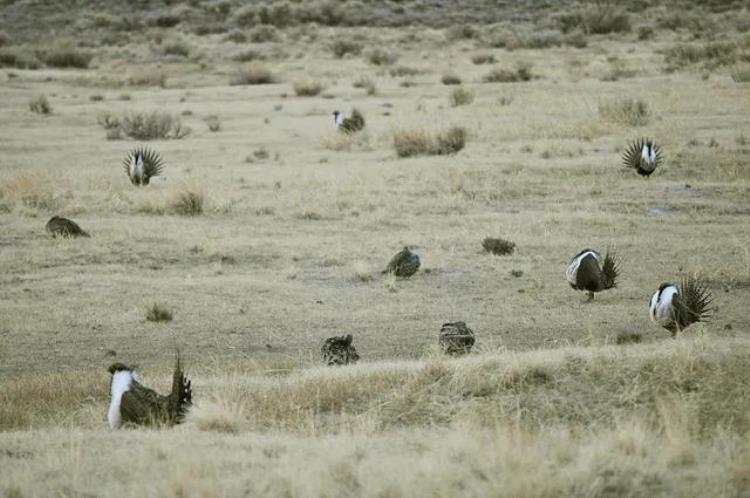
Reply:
x=136, y=404
x=588, y=272
x=351, y=124
x=65, y=228
x=339, y=350
x=643, y=156
x=141, y=164
x=456, y=338
x=404, y=264
x=676, y=307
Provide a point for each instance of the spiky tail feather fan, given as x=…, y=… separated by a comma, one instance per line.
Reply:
x=694, y=302
x=181, y=396
x=153, y=164
x=610, y=270
x=632, y=156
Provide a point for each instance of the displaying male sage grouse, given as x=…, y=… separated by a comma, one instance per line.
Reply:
x=133, y=403
x=676, y=307
x=141, y=164
x=588, y=272
x=339, y=350
x=643, y=156
x=351, y=124
x=404, y=264
x=456, y=338
x=65, y=228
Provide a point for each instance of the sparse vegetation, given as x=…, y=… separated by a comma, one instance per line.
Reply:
x=307, y=88
x=483, y=59
x=264, y=34
x=522, y=72
x=213, y=123
x=498, y=246
x=419, y=142
x=64, y=58
x=158, y=313
x=40, y=105
x=380, y=57
x=145, y=126
x=450, y=79
x=189, y=200
x=626, y=111
x=176, y=48
x=343, y=47
x=367, y=84
x=461, y=96
x=253, y=74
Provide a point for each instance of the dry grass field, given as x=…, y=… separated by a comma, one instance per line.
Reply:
x=268, y=231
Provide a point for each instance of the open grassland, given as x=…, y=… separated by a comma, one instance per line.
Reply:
x=268, y=230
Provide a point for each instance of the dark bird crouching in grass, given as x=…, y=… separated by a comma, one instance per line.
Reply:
x=352, y=124
x=339, y=350
x=404, y=264
x=63, y=227
x=456, y=338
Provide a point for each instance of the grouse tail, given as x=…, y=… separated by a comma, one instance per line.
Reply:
x=181, y=396
x=610, y=270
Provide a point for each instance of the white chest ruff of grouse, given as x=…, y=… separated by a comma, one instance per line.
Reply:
x=677, y=307
x=643, y=155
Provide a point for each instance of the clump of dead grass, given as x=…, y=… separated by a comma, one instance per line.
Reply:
x=343, y=47
x=148, y=77
x=381, y=57
x=218, y=415
x=522, y=72
x=155, y=125
x=32, y=191
x=338, y=141
x=367, y=84
x=450, y=79
x=189, y=200
x=498, y=246
x=625, y=111
x=67, y=57
x=40, y=105
x=461, y=96
x=418, y=142
x=158, y=313
x=252, y=74
x=307, y=88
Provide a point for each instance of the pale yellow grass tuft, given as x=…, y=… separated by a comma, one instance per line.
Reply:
x=218, y=415
x=338, y=142
x=189, y=199
x=33, y=191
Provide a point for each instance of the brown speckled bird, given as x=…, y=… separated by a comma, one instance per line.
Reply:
x=65, y=228
x=352, y=124
x=339, y=350
x=404, y=264
x=133, y=403
x=456, y=338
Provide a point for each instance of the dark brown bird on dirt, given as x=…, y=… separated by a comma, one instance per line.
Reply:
x=65, y=228
x=404, y=264
x=352, y=124
x=339, y=350
x=456, y=338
